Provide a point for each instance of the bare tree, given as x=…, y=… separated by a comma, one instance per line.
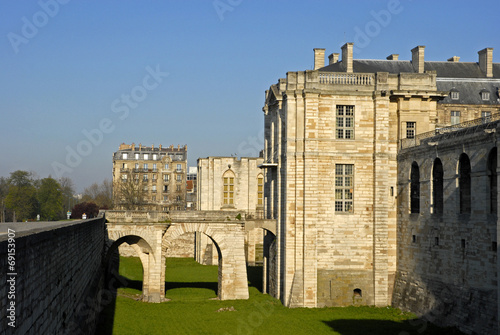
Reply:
x=101, y=194
x=129, y=193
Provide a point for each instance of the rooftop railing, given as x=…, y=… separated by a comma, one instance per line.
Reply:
x=456, y=130
x=342, y=78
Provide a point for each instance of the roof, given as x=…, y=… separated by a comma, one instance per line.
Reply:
x=443, y=69
x=470, y=90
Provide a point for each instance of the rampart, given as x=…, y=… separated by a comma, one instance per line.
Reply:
x=447, y=229
x=54, y=276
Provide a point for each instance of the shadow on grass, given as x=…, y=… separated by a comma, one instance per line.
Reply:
x=206, y=285
x=385, y=327
x=254, y=275
x=128, y=283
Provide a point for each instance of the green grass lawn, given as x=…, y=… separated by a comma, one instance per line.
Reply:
x=191, y=310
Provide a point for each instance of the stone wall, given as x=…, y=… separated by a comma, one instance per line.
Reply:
x=58, y=281
x=447, y=260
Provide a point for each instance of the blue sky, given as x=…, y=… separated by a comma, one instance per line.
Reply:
x=80, y=77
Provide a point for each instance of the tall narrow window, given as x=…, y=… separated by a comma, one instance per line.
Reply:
x=486, y=116
x=260, y=190
x=415, y=189
x=345, y=122
x=228, y=188
x=437, y=187
x=464, y=182
x=411, y=129
x=125, y=155
x=492, y=175
x=455, y=117
x=146, y=157
x=344, y=183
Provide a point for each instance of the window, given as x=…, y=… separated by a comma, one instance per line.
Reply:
x=124, y=177
x=179, y=167
x=455, y=117
x=125, y=155
x=146, y=157
x=345, y=122
x=344, y=183
x=165, y=189
x=154, y=166
x=144, y=177
x=492, y=175
x=179, y=177
x=166, y=166
x=153, y=188
x=178, y=189
x=166, y=177
x=145, y=188
x=178, y=198
x=228, y=188
x=260, y=190
x=155, y=157
x=486, y=116
x=455, y=95
x=485, y=95
x=411, y=128
x=136, y=156
x=145, y=166
x=136, y=165
x=124, y=165
x=464, y=183
x=154, y=177
x=415, y=188
x=437, y=187
x=165, y=197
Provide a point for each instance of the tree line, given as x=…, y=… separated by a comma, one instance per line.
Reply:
x=24, y=196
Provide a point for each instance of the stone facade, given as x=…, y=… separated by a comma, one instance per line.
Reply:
x=160, y=171
x=59, y=284
x=447, y=228
x=231, y=183
x=332, y=136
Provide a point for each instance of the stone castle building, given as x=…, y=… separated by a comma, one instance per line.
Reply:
x=229, y=184
x=332, y=138
x=157, y=174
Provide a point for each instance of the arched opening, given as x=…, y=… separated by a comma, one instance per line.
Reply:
x=129, y=272
x=414, y=188
x=492, y=176
x=437, y=187
x=464, y=183
x=186, y=279
x=357, y=292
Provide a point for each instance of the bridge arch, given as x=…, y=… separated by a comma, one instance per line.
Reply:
x=228, y=240
x=143, y=245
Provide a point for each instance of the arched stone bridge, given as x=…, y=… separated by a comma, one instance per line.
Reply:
x=151, y=234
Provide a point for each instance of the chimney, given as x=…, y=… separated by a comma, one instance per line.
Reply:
x=393, y=57
x=132, y=146
x=486, y=61
x=417, y=58
x=454, y=59
x=319, y=58
x=152, y=147
x=333, y=58
x=159, y=147
x=347, y=57
x=178, y=147
x=140, y=146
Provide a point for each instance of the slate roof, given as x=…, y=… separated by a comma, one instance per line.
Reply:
x=470, y=91
x=443, y=69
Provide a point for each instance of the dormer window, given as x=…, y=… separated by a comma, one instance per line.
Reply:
x=455, y=95
x=485, y=95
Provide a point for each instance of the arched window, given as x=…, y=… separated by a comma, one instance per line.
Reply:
x=492, y=175
x=437, y=187
x=415, y=189
x=260, y=190
x=464, y=183
x=228, y=188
